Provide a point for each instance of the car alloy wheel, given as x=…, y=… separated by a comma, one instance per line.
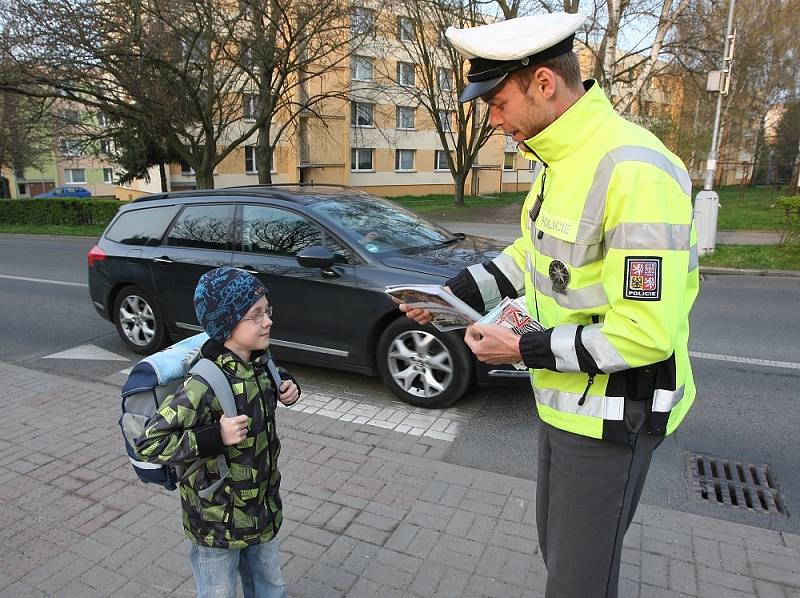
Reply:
x=423, y=366
x=420, y=364
x=138, y=321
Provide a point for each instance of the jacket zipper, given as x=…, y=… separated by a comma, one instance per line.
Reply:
x=590, y=381
x=533, y=215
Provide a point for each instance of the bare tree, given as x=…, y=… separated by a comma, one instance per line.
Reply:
x=423, y=71
x=186, y=69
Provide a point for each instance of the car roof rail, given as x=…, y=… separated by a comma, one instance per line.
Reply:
x=242, y=188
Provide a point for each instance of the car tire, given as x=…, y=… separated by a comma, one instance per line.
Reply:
x=423, y=366
x=139, y=322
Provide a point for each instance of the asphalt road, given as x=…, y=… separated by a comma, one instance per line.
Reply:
x=744, y=336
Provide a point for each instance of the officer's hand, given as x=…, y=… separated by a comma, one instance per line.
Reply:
x=289, y=393
x=420, y=316
x=233, y=429
x=493, y=344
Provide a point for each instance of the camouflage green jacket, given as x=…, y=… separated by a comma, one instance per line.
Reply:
x=246, y=510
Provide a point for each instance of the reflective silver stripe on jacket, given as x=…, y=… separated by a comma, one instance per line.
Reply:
x=665, y=400
x=611, y=408
x=649, y=235
x=570, y=253
x=605, y=355
x=590, y=227
x=562, y=344
x=487, y=285
x=506, y=264
x=694, y=259
x=584, y=298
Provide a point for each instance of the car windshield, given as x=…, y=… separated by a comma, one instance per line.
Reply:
x=381, y=226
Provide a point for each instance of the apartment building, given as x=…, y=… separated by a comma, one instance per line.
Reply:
x=377, y=135
x=74, y=160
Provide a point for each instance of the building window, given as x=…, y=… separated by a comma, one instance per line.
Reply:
x=106, y=146
x=186, y=169
x=71, y=116
x=405, y=74
x=247, y=55
x=108, y=175
x=508, y=160
x=19, y=173
x=445, y=79
x=74, y=175
x=406, y=117
x=362, y=115
x=22, y=189
x=405, y=29
x=102, y=119
x=250, y=160
x=444, y=120
x=250, y=101
x=362, y=68
x=404, y=159
x=361, y=158
x=362, y=20
x=70, y=147
x=440, y=163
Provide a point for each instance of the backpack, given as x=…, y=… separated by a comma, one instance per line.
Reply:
x=151, y=381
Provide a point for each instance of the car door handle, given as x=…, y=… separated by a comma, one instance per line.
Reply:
x=249, y=269
x=162, y=260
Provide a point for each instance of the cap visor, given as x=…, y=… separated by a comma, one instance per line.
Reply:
x=476, y=90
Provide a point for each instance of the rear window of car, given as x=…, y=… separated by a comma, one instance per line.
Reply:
x=142, y=227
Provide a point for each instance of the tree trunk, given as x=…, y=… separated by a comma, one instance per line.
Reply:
x=205, y=178
x=610, y=53
x=162, y=170
x=264, y=154
x=458, y=190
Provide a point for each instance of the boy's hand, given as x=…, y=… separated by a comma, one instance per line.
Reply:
x=233, y=429
x=289, y=393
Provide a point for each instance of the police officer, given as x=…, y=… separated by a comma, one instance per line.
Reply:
x=607, y=262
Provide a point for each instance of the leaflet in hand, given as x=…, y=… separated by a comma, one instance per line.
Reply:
x=448, y=312
x=513, y=314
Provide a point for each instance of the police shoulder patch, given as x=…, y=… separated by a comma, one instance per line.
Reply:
x=642, y=278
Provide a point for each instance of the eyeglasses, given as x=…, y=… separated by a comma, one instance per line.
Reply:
x=258, y=317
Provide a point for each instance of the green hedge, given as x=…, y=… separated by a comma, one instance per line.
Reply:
x=72, y=212
x=791, y=210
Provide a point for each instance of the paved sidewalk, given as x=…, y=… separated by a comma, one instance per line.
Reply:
x=361, y=520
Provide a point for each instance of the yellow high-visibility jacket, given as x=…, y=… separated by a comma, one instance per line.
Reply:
x=608, y=264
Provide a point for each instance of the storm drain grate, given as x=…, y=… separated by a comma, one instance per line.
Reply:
x=737, y=484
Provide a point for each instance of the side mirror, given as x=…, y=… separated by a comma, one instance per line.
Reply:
x=316, y=256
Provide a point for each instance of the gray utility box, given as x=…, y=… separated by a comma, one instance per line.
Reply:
x=706, y=207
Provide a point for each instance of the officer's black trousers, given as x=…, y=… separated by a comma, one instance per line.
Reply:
x=586, y=496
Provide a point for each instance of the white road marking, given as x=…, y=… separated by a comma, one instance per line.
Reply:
x=748, y=360
x=88, y=352
x=431, y=423
x=45, y=281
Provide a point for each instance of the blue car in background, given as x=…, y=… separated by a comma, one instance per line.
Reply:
x=65, y=192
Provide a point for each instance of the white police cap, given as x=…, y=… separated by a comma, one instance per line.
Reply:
x=497, y=49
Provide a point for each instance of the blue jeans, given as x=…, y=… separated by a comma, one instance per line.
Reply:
x=215, y=571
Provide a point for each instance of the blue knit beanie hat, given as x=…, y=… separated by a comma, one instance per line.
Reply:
x=222, y=297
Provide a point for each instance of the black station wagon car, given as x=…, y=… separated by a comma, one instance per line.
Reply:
x=324, y=252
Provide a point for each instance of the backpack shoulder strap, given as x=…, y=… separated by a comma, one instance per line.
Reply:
x=276, y=377
x=211, y=373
